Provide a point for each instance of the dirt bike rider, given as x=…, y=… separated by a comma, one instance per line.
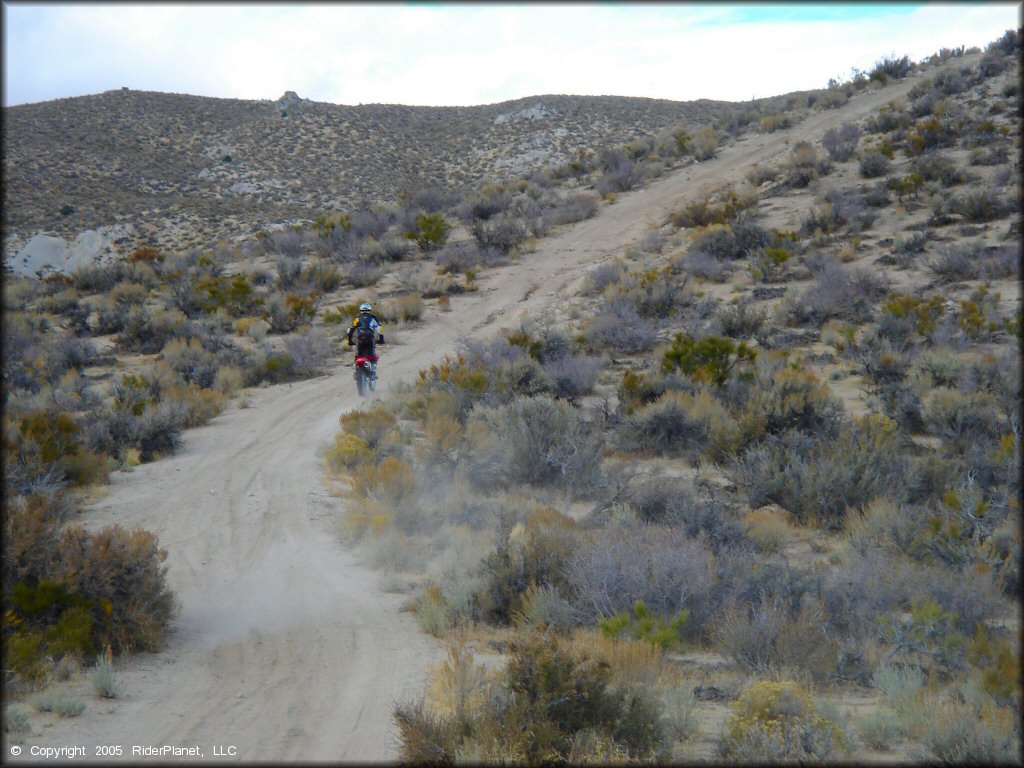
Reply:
x=361, y=334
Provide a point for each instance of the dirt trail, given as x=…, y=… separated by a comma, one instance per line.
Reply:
x=285, y=648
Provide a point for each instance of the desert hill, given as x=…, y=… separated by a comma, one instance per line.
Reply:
x=187, y=167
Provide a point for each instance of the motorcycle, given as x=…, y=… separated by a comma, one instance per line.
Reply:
x=365, y=374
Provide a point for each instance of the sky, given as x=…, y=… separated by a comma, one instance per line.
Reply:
x=466, y=54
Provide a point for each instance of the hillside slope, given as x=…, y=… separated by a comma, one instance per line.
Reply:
x=189, y=169
x=285, y=647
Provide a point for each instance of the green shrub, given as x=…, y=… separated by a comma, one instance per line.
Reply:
x=639, y=389
x=768, y=264
x=922, y=313
x=277, y=368
x=431, y=231
x=711, y=359
x=347, y=452
x=641, y=625
x=236, y=294
x=928, y=636
x=24, y=656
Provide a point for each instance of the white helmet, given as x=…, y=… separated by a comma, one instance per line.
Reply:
x=365, y=307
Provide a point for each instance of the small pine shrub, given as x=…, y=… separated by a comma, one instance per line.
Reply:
x=709, y=360
x=566, y=694
x=640, y=625
x=431, y=231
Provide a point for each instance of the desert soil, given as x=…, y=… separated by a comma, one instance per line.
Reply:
x=285, y=648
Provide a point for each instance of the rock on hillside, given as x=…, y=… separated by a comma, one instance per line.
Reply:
x=181, y=170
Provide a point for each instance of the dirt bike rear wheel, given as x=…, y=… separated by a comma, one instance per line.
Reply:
x=361, y=378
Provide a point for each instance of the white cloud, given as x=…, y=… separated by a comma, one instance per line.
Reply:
x=465, y=54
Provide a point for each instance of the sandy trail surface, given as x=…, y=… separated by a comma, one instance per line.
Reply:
x=285, y=649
